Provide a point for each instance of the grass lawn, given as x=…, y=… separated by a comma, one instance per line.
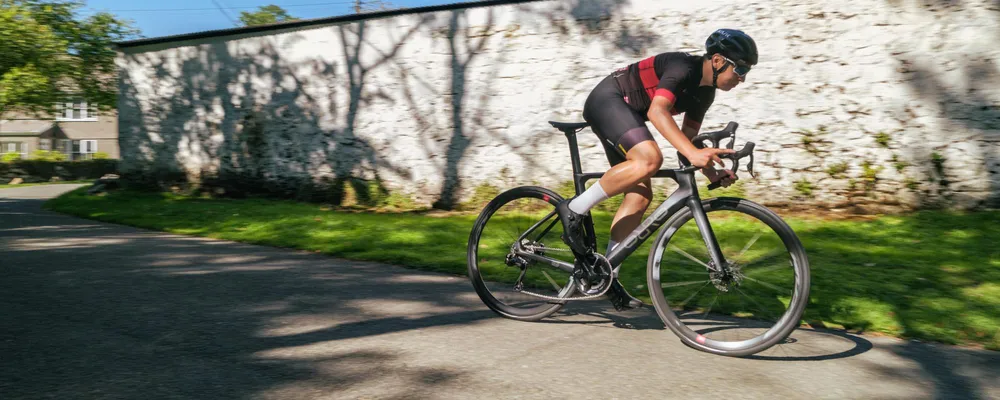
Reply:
x=932, y=275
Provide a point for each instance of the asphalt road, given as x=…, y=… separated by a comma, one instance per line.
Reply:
x=94, y=310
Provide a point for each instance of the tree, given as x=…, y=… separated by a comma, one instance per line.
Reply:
x=49, y=55
x=373, y=5
x=268, y=14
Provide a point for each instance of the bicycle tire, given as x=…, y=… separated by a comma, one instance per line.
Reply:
x=475, y=273
x=789, y=320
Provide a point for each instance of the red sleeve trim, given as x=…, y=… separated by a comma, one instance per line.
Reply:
x=665, y=93
x=692, y=123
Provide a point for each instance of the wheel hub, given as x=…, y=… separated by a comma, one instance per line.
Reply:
x=730, y=277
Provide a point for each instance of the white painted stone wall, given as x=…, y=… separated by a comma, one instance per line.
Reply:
x=441, y=102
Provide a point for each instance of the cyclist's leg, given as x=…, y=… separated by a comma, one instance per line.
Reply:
x=630, y=148
x=633, y=154
x=629, y=215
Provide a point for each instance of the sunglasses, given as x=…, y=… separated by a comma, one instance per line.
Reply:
x=741, y=70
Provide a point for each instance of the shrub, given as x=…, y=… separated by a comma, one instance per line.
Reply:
x=47, y=155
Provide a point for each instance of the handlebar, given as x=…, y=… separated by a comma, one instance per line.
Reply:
x=715, y=138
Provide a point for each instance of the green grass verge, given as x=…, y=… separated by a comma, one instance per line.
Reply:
x=6, y=186
x=932, y=275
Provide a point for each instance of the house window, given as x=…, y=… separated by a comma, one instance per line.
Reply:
x=45, y=144
x=12, y=147
x=66, y=147
x=84, y=149
x=76, y=111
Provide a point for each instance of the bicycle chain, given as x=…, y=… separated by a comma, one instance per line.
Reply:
x=585, y=297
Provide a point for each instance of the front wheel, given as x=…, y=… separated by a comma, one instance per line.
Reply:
x=753, y=306
x=522, y=218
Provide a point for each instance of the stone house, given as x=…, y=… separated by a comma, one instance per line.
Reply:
x=77, y=130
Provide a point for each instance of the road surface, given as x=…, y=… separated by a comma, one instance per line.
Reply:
x=95, y=310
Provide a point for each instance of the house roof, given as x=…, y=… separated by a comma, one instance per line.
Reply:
x=24, y=127
x=316, y=21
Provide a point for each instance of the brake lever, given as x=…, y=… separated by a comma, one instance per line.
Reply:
x=747, y=150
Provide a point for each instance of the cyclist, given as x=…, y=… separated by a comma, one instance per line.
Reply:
x=654, y=89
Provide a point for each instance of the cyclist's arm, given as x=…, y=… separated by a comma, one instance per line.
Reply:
x=691, y=127
x=659, y=116
x=694, y=116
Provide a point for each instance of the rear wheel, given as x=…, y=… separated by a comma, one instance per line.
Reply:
x=502, y=278
x=746, y=311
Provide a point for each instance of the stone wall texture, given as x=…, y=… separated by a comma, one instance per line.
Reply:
x=879, y=102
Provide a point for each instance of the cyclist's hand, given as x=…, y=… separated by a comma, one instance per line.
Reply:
x=726, y=176
x=707, y=157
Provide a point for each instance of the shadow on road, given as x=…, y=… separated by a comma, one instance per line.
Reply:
x=105, y=311
x=99, y=310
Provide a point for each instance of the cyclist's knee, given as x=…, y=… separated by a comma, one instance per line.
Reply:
x=647, y=157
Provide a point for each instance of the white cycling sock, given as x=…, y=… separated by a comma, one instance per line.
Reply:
x=588, y=199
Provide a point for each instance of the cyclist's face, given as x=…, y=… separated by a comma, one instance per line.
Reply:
x=728, y=79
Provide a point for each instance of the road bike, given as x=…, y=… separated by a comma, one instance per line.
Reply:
x=727, y=275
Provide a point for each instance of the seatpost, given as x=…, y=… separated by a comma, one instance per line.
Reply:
x=574, y=155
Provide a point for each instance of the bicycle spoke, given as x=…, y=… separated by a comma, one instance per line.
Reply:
x=697, y=238
x=710, y=306
x=750, y=243
x=686, y=272
x=769, y=256
x=762, y=308
x=771, y=286
x=692, y=296
x=677, y=284
x=764, y=269
x=552, y=281
x=690, y=257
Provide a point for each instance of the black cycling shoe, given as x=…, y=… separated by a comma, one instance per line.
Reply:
x=573, y=234
x=621, y=299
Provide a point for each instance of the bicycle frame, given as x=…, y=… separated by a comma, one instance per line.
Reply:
x=686, y=195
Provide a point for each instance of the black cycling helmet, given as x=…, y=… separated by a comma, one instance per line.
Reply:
x=735, y=45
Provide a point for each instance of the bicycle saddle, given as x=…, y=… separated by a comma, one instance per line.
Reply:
x=569, y=125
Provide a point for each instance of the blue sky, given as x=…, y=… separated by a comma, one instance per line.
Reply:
x=186, y=16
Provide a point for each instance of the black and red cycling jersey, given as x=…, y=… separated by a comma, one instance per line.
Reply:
x=674, y=75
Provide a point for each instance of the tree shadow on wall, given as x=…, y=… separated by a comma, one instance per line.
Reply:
x=291, y=141
x=463, y=48
x=467, y=43
x=971, y=110
x=295, y=140
x=468, y=120
x=598, y=18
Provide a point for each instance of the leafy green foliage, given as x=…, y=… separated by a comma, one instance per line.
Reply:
x=264, y=15
x=50, y=55
x=882, y=139
x=838, y=169
x=869, y=175
x=804, y=187
x=899, y=163
x=10, y=157
x=47, y=155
